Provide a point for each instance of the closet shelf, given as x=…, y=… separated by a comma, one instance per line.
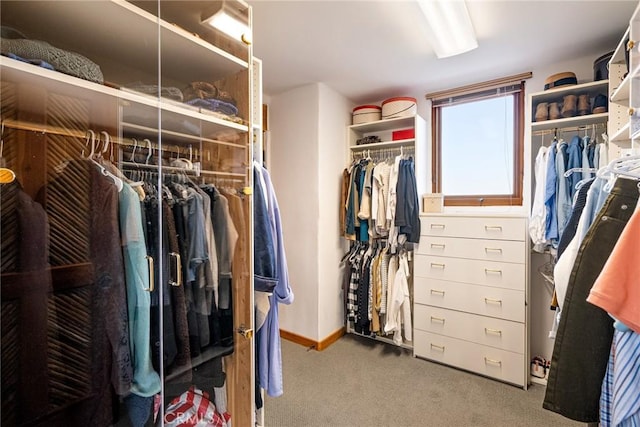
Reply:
x=124, y=22
x=621, y=94
x=381, y=125
x=555, y=95
x=137, y=105
x=383, y=339
x=384, y=144
x=618, y=54
x=622, y=134
x=570, y=121
x=179, y=135
x=204, y=357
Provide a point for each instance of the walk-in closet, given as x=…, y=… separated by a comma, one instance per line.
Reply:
x=259, y=213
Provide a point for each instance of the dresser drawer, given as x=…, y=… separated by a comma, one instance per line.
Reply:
x=489, y=273
x=492, y=362
x=489, y=331
x=481, y=249
x=503, y=228
x=483, y=300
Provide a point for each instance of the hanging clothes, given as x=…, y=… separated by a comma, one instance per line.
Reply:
x=537, y=219
x=269, y=358
x=146, y=381
x=85, y=223
x=585, y=332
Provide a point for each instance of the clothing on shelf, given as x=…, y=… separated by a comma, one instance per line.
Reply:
x=597, y=320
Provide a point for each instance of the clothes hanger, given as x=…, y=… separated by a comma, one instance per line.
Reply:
x=150, y=148
x=91, y=137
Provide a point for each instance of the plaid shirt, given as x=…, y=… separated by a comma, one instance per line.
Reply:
x=620, y=398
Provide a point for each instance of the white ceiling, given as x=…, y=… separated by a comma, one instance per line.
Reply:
x=371, y=50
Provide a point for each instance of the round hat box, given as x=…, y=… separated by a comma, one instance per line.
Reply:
x=400, y=106
x=559, y=80
x=366, y=114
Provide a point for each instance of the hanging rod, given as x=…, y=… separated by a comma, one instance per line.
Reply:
x=43, y=129
x=57, y=130
x=178, y=169
x=568, y=129
x=182, y=135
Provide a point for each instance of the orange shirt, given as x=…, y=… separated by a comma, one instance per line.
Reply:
x=617, y=289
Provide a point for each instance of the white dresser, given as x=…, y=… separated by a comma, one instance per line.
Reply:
x=471, y=293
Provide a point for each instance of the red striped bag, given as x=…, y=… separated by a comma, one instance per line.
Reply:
x=192, y=409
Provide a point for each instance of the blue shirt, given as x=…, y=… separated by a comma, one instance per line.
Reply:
x=551, y=223
x=268, y=336
x=146, y=381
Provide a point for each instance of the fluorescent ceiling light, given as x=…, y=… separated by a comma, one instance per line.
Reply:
x=230, y=21
x=449, y=29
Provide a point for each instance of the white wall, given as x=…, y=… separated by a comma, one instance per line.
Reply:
x=335, y=116
x=306, y=156
x=294, y=167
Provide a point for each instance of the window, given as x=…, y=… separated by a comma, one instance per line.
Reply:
x=478, y=134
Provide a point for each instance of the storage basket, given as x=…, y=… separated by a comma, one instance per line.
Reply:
x=400, y=106
x=366, y=114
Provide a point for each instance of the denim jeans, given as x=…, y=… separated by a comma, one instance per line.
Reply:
x=583, y=340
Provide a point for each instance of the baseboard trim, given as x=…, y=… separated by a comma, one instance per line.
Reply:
x=307, y=342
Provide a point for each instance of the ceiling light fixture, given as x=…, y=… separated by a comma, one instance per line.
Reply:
x=449, y=29
x=231, y=20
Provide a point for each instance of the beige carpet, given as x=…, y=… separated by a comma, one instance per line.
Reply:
x=360, y=382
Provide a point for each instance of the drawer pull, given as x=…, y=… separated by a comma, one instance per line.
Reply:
x=489, y=270
x=437, y=265
x=492, y=361
x=493, y=301
x=437, y=292
x=440, y=226
x=487, y=250
x=437, y=319
x=493, y=227
x=437, y=347
x=492, y=331
x=437, y=245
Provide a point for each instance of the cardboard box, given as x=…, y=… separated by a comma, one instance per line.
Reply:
x=432, y=203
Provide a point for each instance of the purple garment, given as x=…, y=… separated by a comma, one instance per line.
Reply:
x=268, y=337
x=215, y=105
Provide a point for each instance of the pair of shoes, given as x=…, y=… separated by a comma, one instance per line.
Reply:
x=600, y=104
x=547, y=111
x=539, y=367
x=584, y=104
